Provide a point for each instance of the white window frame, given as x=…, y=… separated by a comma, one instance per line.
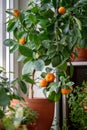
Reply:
x=7, y=60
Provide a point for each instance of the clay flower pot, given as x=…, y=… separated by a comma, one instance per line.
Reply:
x=45, y=109
x=82, y=55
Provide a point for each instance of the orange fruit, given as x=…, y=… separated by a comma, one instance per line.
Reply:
x=50, y=77
x=43, y=83
x=16, y=12
x=22, y=40
x=66, y=91
x=61, y=10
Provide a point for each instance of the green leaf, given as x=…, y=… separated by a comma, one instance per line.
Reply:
x=8, y=12
x=39, y=65
x=28, y=68
x=53, y=86
x=48, y=69
x=20, y=58
x=25, y=51
x=4, y=98
x=56, y=60
x=14, y=48
x=11, y=26
x=23, y=86
x=53, y=96
x=54, y=3
x=63, y=66
x=78, y=23
x=28, y=79
x=9, y=42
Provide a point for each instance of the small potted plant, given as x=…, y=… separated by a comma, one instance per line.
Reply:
x=21, y=116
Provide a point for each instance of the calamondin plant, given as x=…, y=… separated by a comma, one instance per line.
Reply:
x=44, y=35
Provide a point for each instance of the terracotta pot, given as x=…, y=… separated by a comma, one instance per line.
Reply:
x=82, y=54
x=45, y=108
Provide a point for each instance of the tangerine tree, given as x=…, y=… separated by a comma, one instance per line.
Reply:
x=49, y=30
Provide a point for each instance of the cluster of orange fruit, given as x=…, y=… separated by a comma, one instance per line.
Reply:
x=50, y=77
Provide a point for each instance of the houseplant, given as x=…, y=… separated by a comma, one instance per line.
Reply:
x=45, y=34
x=19, y=116
x=77, y=104
x=8, y=91
x=24, y=115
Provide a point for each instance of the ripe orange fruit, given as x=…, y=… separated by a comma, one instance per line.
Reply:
x=66, y=91
x=43, y=83
x=50, y=77
x=22, y=40
x=16, y=12
x=61, y=10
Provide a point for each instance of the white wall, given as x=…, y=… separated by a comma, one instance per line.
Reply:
x=23, y=4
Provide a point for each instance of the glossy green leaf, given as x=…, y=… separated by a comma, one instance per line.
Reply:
x=28, y=79
x=23, y=86
x=53, y=96
x=14, y=48
x=39, y=65
x=9, y=42
x=20, y=58
x=11, y=26
x=4, y=98
x=25, y=51
x=27, y=68
x=56, y=60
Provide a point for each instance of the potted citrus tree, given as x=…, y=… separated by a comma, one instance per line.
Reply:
x=45, y=34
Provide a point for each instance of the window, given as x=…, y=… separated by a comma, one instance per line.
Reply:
x=6, y=59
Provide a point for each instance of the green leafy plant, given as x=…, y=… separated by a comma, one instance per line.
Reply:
x=77, y=105
x=18, y=117
x=21, y=114
x=43, y=36
x=8, y=91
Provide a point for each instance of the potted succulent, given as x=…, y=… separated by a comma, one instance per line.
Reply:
x=45, y=34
